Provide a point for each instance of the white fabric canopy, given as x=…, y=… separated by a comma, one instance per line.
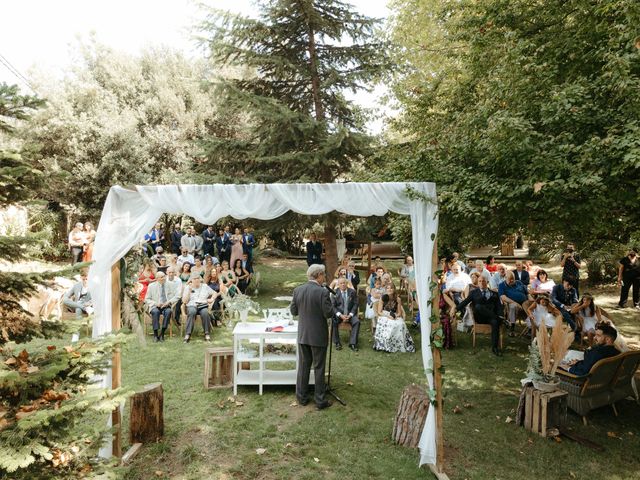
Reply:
x=129, y=214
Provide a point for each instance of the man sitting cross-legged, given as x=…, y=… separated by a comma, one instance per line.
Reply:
x=487, y=310
x=345, y=309
x=514, y=294
x=197, y=298
x=160, y=298
x=605, y=337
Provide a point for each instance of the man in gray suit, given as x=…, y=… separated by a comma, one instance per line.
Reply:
x=312, y=304
x=345, y=309
x=78, y=299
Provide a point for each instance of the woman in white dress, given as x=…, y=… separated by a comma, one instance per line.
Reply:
x=589, y=314
x=542, y=310
x=391, y=332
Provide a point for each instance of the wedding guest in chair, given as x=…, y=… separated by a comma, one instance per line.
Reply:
x=345, y=309
x=161, y=297
x=198, y=298
x=514, y=294
x=487, y=309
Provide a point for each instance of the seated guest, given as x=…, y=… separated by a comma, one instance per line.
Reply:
x=491, y=265
x=352, y=275
x=228, y=279
x=542, y=283
x=391, y=332
x=487, y=310
x=407, y=272
x=521, y=274
x=162, y=267
x=564, y=296
x=514, y=294
x=341, y=273
x=248, y=266
x=155, y=258
x=605, y=337
x=378, y=272
x=161, y=297
x=470, y=266
x=197, y=298
x=498, y=277
x=531, y=268
x=213, y=282
x=241, y=275
x=173, y=279
x=185, y=273
x=475, y=283
x=78, y=299
x=373, y=295
x=454, y=286
x=345, y=310
x=185, y=257
x=541, y=311
x=482, y=271
x=198, y=267
x=386, y=280
x=588, y=314
x=456, y=258
x=145, y=278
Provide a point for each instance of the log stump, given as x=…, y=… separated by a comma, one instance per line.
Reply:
x=411, y=415
x=147, y=416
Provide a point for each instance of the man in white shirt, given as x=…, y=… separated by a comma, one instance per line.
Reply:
x=184, y=258
x=188, y=241
x=160, y=298
x=198, y=298
x=78, y=298
x=177, y=283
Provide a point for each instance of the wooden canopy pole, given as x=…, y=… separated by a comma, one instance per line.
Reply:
x=116, y=367
x=438, y=468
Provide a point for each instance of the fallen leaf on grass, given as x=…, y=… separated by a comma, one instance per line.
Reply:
x=159, y=473
x=261, y=451
x=557, y=439
x=51, y=348
x=221, y=404
x=467, y=405
x=32, y=369
x=288, y=445
x=572, y=475
x=477, y=430
x=529, y=441
x=294, y=404
x=315, y=459
x=10, y=361
x=350, y=384
x=231, y=399
x=612, y=435
x=457, y=409
x=508, y=420
x=239, y=404
x=497, y=417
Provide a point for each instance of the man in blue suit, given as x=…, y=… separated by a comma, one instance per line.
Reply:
x=223, y=244
x=209, y=240
x=248, y=242
x=605, y=337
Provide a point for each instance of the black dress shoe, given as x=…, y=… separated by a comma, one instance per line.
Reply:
x=338, y=346
x=323, y=405
x=496, y=351
x=353, y=348
x=303, y=402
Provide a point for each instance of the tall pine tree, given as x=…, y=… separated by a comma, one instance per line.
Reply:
x=295, y=62
x=50, y=414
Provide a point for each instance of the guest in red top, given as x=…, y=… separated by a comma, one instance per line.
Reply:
x=491, y=265
x=146, y=277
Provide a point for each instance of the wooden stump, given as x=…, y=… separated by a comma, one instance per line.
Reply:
x=147, y=417
x=412, y=413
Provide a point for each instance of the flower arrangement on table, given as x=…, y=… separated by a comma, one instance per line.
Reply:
x=546, y=354
x=241, y=304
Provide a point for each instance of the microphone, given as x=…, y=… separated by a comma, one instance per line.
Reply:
x=329, y=288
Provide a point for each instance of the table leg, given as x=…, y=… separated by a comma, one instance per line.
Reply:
x=261, y=364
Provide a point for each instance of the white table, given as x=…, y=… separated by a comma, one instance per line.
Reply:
x=255, y=333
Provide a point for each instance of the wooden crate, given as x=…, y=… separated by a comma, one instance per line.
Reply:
x=218, y=367
x=543, y=411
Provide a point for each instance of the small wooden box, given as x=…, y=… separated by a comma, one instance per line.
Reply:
x=218, y=367
x=544, y=410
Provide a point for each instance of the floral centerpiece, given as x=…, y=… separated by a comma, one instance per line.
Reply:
x=546, y=353
x=241, y=304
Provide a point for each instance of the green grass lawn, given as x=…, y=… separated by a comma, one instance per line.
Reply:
x=209, y=437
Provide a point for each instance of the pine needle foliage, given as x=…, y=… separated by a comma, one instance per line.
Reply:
x=295, y=62
x=52, y=415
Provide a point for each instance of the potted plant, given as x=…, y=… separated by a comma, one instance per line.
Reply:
x=546, y=353
x=241, y=304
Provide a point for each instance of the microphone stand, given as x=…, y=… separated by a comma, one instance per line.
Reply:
x=330, y=390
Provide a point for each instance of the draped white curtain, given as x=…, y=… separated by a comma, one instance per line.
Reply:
x=129, y=214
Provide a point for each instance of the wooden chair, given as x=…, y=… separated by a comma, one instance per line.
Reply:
x=183, y=322
x=521, y=316
x=147, y=320
x=484, y=329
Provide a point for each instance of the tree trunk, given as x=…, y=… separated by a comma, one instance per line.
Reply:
x=330, y=248
x=147, y=416
x=412, y=413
